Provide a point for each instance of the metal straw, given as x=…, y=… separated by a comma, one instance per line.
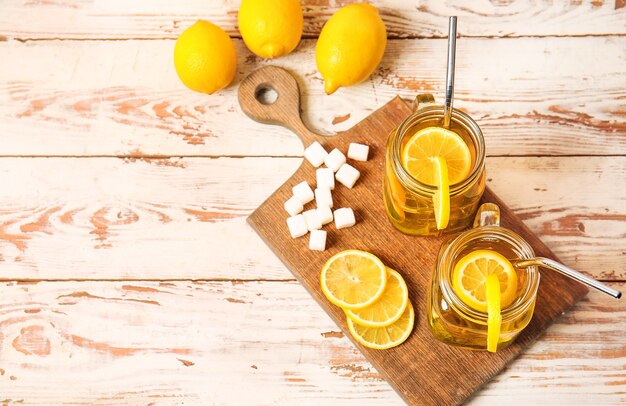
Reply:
x=447, y=113
x=569, y=272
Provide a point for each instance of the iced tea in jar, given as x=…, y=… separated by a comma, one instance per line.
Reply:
x=421, y=156
x=459, y=305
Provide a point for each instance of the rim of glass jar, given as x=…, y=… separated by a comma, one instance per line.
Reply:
x=518, y=243
x=417, y=187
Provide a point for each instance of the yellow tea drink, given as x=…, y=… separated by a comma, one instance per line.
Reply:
x=411, y=182
x=457, y=303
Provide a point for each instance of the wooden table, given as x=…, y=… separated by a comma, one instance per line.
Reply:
x=129, y=274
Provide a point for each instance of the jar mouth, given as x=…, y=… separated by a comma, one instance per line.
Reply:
x=429, y=113
x=488, y=233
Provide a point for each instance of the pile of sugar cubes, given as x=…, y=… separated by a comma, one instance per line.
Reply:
x=300, y=223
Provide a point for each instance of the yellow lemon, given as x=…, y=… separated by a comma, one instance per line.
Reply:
x=350, y=46
x=205, y=57
x=270, y=28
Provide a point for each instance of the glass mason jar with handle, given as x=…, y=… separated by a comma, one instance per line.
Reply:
x=409, y=202
x=450, y=319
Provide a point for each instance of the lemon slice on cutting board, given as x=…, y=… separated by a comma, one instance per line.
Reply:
x=388, y=308
x=353, y=279
x=383, y=338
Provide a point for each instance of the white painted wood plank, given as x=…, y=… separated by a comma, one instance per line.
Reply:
x=531, y=96
x=162, y=19
x=255, y=343
x=572, y=205
x=110, y=218
x=115, y=218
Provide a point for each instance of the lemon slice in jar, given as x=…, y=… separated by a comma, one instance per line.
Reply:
x=469, y=279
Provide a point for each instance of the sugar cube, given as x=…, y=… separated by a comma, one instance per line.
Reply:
x=344, y=217
x=323, y=197
x=297, y=226
x=312, y=220
x=358, y=152
x=315, y=154
x=303, y=192
x=293, y=206
x=325, y=178
x=317, y=240
x=347, y=175
x=325, y=214
x=335, y=159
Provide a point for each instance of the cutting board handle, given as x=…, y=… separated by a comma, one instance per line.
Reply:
x=284, y=110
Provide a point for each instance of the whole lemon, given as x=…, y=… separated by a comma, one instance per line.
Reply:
x=350, y=46
x=270, y=28
x=205, y=57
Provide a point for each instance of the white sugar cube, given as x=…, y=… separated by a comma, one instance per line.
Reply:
x=358, y=152
x=315, y=154
x=293, y=206
x=335, y=159
x=312, y=220
x=344, y=217
x=323, y=197
x=347, y=175
x=303, y=192
x=325, y=178
x=325, y=214
x=297, y=226
x=317, y=240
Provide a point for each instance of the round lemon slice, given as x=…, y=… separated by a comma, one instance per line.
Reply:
x=433, y=142
x=353, y=279
x=388, y=308
x=382, y=338
x=470, y=275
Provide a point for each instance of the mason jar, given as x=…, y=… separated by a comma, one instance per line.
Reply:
x=449, y=318
x=409, y=202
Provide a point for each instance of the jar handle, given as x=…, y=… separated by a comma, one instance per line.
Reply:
x=424, y=100
x=488, y=215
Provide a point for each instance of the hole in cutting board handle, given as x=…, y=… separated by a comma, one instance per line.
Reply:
x=271, y=95
x=266, y=94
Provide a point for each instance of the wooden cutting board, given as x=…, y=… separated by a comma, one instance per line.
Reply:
x=423, y=370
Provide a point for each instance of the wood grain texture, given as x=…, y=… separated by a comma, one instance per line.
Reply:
x=88, y=218
x=284, y=111
x=531, y=96
x=600, y=227
x=138, y=342
x=422, y=370
x=128, y=342
x=162, y=19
